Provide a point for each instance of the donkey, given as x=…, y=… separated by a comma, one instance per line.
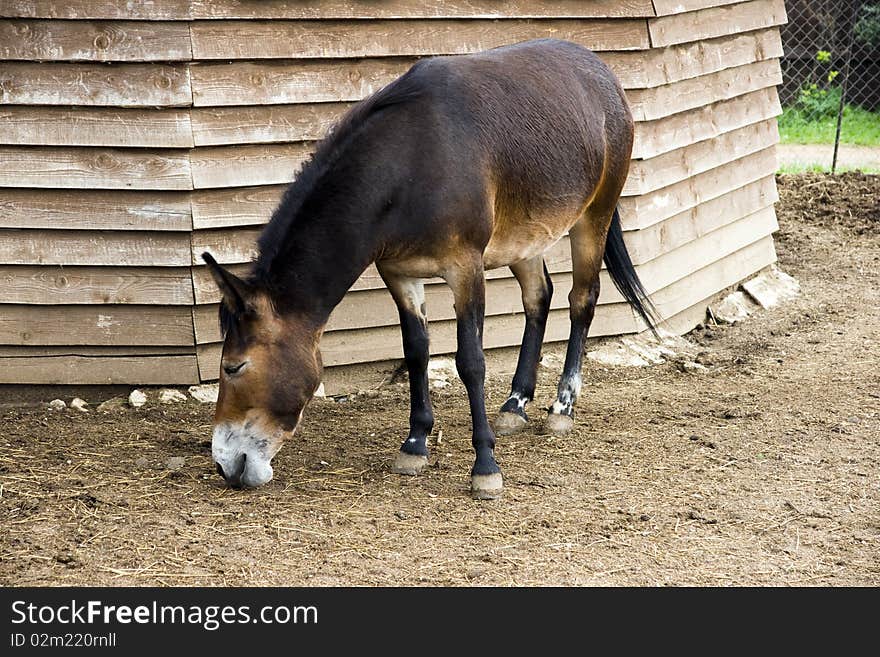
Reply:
x=461, y=165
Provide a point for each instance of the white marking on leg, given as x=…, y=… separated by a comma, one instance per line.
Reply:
x=521, y=400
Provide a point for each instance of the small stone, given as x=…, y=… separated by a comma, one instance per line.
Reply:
x=57, y=405
x=320, y=391
x=142, y=462
x=114, y=404
x=137, y=399
x=171, y=396
x=733, y=308
x=79, y=405
x=772, y=287
x=175, y=462
x=206, y=393
x=693, y=368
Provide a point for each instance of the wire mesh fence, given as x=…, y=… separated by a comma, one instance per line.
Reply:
x=831, y=80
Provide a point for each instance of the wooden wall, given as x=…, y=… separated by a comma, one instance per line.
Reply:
x=133, y=136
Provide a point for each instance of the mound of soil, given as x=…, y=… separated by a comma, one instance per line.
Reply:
x=762, y=469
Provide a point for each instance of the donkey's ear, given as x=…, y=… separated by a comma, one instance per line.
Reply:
x=236, y=292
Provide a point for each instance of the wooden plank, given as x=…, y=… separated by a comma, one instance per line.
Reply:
x=370, y=308
x=95, y=325
x=638, y=212
x=83, y=247
x=96, y=285
x=97, y=9
x=94, y=41
x=82, y=126
x=119, y=85
x=97, y=370
x=222, y=126
x=663, y=135
x=659, y=102
x=93, y=168
x=274, y=83
x=651, y=242
x=383, y=343
x=668, y=168
x=235, y=166
x=211, y=9
x=689, y=60
x=240, y=206
x=99, y=210
x=327, y=9
x=255, y=39
x=716, y=21
x=667, y=7
x=22, y=351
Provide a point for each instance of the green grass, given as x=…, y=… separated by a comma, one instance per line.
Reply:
x=859, y=127
x=822, y=168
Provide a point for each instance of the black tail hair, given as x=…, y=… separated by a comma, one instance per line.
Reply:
x=624, y=275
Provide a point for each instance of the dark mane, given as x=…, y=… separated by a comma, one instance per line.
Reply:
x=276, y=235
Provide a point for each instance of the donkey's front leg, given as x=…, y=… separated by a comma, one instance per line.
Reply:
x=409, y=295
x=469, y=291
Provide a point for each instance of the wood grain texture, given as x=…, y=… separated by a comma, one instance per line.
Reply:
x=214, y=9
x=659, y=102
x=223, y=126
x=94, y=41
x=239, y=166
x=82, y=126
x=50, y=285
x=94, y=168
x=639, y=212
x=85, y=247
x=117, y=85
x=281, y=39
x=139, y=369
x=668, y=168
x=62, y=209
x=716, y=21
x=653, y=138
x=95, y=325
x=239, y=206
x=666, y=7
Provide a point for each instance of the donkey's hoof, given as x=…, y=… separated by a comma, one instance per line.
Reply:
x=507, y=423
x=486, y=486
x=559, y=424
x=409, y=464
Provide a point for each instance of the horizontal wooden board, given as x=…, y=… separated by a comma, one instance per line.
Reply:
x=83, y=126
x=638, y=212
x=656, y=103
x=94, y=41
x=212, y=9
x=716, y=21
x=236, y=166
x=300, y=39
x=668, y=168
x=93, y=168
x=663, y=135
x=85, y=247
x=240, y=206
x=94, y=209
x=666, y=7
x=364, y=309
x=383, y=343
x=279, y=82
x=95, y=325
x=95, y=285
x=117, y=85
x=98, y=370
x=222, y=126
x=690, y=224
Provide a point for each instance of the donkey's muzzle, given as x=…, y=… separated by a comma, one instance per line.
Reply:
x=233, y=477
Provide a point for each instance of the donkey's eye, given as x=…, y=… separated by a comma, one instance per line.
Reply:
x=232, y=370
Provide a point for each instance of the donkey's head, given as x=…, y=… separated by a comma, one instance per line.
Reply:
x=270, y=368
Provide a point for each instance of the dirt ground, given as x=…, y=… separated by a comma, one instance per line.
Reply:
x=763, y=470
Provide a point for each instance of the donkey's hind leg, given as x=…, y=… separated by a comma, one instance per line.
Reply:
x=537, y=291
x=588, y=237
x=409, y=295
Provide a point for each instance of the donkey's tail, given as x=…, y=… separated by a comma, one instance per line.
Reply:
x=624, y=275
